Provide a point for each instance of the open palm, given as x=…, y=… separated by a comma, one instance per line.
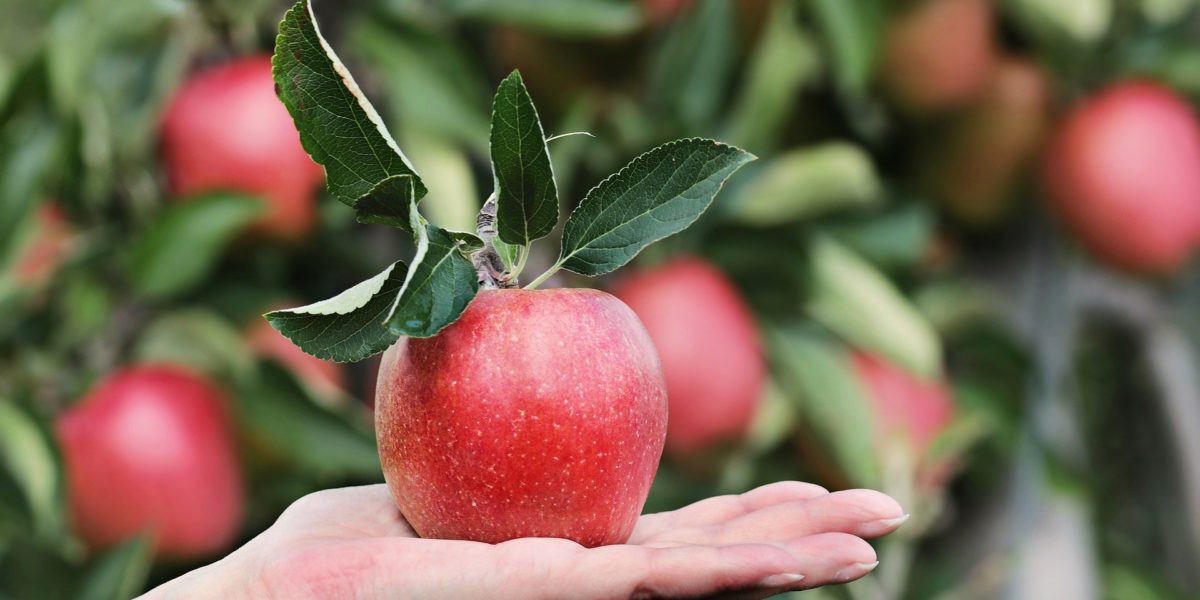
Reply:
x=353, y=543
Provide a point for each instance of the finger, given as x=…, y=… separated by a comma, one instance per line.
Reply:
x=829, y=558
x=722, y=508
x=864, y=513
x=681, y=572
x=360, y=511
x=530, y=568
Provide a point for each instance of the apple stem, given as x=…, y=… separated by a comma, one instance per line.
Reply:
x=533, y=285
x=486, y=260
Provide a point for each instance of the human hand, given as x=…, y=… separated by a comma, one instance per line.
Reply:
x=353, y=543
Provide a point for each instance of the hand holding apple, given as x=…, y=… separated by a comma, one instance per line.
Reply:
x=352, y=543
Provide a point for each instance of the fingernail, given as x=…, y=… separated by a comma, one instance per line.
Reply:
x=854, y=571
x=872, y=528
x=780, y=580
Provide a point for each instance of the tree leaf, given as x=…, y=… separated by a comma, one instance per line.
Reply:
x=566, y=17
x=858, y=302
x=808, y=182
x=526, y=197
x=431, y=85
x=183, y=245
x=689, y=77
x=785, y=60
x=338, y=126
x=31, y=458
x=832, y=404
x=656, y=195
x=852, y=31
x=1080, y=21
x=388, y=203
x=348, y=327
x=120, y=573
x=199, y=338
x=279, y=412
x=440, y=284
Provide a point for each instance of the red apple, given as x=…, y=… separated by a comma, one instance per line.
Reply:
x=150, y=448
x=46, y=248
x=324, y=377
x=1123, y=173
x=986, y=150
x=937, y=54
x=709, y=346
x=226, y=129
x=538, y=413
x=908, y=408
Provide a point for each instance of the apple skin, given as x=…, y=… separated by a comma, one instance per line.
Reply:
x=151, y=447
x=1123, y=174
x=536, y=414
x=226, y=130
x=937, y=54
x=709, y=347
x=989, y=147
x=909, y=408
x=324, y=377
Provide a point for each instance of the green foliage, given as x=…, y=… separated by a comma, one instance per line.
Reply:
x=31, y=459
x=120, y=573
x=858, y=302
x=691, y=72
x=829, y=398
x=657, y=194
x=831, y=239
x=347, y=327
x=807, y=182
x=439, y=285
x=323, y=442
x=182, y=246
x=570, y=17
x=337, y=124
x=526, y=197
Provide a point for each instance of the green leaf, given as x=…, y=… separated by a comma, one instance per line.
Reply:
x=509, y=253
x=656, y=195
x=431, y=85
x=28, y=149
x=852, y=30
x=279, y=413
x=29, y=455
x=1082, y=21
x=338, y=126
x=440, y=284
x=179, y=249
x=566, y=17
x=388, y=203
x=453, y=200
x=785, y=60
x=690, y=75
x=855, y=300
x=348, y=327
x=808, y=182
x=526, y=198
x=896, y=238
x=831, y=402
x=120, y=573
x=1165, y=12
x=196, y=337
